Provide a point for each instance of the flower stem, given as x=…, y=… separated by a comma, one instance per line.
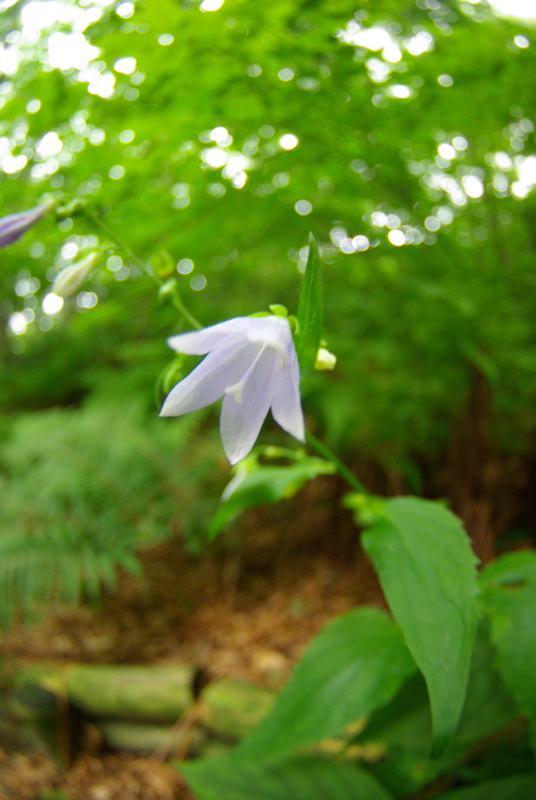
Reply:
x=175, y=299
x=342, y=469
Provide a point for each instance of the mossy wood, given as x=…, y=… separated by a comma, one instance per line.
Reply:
x=136, y=708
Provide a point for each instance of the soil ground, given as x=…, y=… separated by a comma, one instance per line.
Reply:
x=246, y=608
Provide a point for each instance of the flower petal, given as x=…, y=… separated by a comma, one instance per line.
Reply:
x=270, y=330
x=197, y=343
x=243, y=413
x=222, y=368
x=286, y=404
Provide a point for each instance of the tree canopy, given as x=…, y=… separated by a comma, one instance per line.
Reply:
x=210, y=142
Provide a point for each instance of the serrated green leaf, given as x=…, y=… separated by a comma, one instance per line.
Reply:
x=427, y=571
x=509, y=596
x=293, y=778
x=310, y=309
x=355, y=665
x=255, y=484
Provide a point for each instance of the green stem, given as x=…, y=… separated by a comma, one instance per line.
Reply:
x=342, y=469
x=177, y=302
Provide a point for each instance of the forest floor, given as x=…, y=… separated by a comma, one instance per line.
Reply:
x=246, y=608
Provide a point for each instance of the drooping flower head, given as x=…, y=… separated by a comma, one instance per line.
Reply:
x=14, y=225
x=252, y=364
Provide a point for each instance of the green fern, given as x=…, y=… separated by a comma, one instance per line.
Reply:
x=82, y=491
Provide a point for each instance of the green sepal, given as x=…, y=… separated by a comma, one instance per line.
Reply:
x=278, y=310
x=170, y=376
x=294, y=324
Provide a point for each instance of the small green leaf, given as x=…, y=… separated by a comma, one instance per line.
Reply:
x=294, y=778
x=310, y=309
x=255, y=484
x=427, y=571
x=355, y=665
x=509, y=596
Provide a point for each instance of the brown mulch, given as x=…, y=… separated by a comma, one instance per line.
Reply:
x=246, y=608
x=118, y=776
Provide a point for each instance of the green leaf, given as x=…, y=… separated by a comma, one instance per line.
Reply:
x=403, y=727
x=509, y=595
x=293, y=778
x=427, y=571
x=515, y=787
x=255, y=484
x=310, y=309
x=355, y=665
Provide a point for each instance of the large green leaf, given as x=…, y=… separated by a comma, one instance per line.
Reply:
x=509, y=594
x=310, y=309
x=516, y=787
x=254, y=483
x=294, y=778
x=427, y=571
x=403, y=728
x=355, y=665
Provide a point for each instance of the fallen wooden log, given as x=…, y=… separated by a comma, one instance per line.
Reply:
x=139, y=708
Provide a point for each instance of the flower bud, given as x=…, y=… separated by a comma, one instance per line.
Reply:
x=325, y=360
x=168, y=290
x=162, y=264
x=14, y=225
x=72, y=277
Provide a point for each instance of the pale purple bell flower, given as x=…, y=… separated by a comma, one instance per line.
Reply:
x=252, y=364
x=14, y=225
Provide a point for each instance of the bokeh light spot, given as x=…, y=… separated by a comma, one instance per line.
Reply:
x=52, y=303
x=185, y=266
x=288, y=141
x=397, y=238
x=445, y=80
x=303, y=207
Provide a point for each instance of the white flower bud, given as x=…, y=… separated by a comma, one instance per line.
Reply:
x=325, y=360
x=71, y=278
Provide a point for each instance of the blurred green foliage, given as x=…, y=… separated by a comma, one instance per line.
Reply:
x=207, y=144
x=204, y=146
x=422, y=129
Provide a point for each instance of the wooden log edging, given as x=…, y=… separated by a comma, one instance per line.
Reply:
x=138, y=708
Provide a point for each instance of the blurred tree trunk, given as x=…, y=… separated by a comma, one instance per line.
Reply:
x=470, y=482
